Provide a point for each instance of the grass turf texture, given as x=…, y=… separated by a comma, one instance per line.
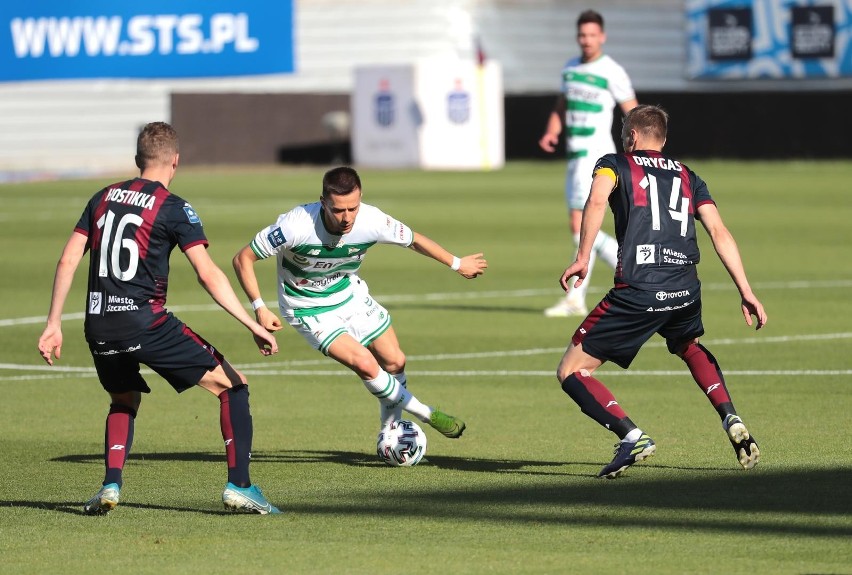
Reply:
x=516, y=494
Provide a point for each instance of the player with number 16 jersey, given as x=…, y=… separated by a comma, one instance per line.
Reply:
x=654, y=205
x=132, y=228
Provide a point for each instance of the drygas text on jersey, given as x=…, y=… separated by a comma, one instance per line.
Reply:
x=664, y=163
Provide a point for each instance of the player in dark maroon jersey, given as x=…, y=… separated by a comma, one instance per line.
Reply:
x=655, y=201
x=130, y=228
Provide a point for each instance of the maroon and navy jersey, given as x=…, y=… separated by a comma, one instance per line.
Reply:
x=654, y=206
x=132, y=228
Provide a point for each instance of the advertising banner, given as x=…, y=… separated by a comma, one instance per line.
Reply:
x=752, y=39
x=385, y=117
x=433, y=114
x=55, y=39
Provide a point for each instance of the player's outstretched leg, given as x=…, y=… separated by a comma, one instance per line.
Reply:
x=247, y=500
x=391, y=393
x=745, y=447
x=104, y=500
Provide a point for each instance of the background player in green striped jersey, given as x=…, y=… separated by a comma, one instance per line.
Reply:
x=592, y=84
x=319, y=249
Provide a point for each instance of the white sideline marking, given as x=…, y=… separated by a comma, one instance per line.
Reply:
x=471, y=373
x=468, y=295
x=285, y=367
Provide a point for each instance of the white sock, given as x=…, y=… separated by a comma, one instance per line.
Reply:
x=632, y=436
x=393, y=396
x=389, y=413
x=607, y=249
x=578, y=295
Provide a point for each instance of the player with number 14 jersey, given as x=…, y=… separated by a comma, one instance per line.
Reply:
x=653, y=205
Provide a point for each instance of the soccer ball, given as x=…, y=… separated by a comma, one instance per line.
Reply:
x=401, y=444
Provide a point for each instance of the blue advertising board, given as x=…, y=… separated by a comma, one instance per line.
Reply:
x=753, y=39
x=57, y=39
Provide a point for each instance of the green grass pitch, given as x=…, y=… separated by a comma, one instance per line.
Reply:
x=517, y=493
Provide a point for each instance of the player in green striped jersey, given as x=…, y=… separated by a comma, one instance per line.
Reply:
x=319, y=249
x=592, y=84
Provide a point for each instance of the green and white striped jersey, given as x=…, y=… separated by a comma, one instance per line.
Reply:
x=314, y=265
x=592, y=89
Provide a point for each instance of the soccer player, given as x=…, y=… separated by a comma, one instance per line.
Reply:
x=130, y=228
x=319, y=248
x=655, y=201
x=592, y=84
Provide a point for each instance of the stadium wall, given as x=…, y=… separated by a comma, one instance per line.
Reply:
x=744, y=125
x=289, y=128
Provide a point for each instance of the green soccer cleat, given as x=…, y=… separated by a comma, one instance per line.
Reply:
x=103, y=501
x=448, y=425
x=626, y=454
x=247, y=500
x=745, y=447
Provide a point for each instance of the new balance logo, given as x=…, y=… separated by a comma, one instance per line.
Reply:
x=713, y=387
x=117, y=448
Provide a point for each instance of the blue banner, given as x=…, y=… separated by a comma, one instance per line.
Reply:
x=753, y=39
x=57, y=39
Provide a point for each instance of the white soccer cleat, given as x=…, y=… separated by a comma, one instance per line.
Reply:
x=104, y=500
x=566, y=308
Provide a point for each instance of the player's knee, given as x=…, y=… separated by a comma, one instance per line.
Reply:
x=685, y=348
x=129, y=401
x=130, y=410
x=365, y=365
x=235, y=378
x=395, y=364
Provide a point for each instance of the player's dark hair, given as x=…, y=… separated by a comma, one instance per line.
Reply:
x=340, y=181
x=590, y=17
x=157, y=143
x=650, y=121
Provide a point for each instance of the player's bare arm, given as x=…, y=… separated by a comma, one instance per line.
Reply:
x=593, y=215
x=243, y=263
x=214, y=280
x=550, y=138
x=50, y=342
x=729, y=254
x=469, y=266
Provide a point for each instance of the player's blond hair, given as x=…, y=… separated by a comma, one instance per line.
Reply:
x=157, y=144
x=650, y=121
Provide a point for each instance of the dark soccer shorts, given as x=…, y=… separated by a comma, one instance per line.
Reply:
x=172, y=350
x=627, y=317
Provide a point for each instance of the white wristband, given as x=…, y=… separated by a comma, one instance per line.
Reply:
x=456, y=264
x=257, y=303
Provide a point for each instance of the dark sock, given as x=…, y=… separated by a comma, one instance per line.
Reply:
x=235, y=419
x=707, y=374
x=596, y=401
x=118, y=437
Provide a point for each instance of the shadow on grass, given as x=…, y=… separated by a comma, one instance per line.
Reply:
x=76, y=507
x=807, y=501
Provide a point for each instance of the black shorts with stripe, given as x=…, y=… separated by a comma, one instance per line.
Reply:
x=627, y=317
x=172, y=350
